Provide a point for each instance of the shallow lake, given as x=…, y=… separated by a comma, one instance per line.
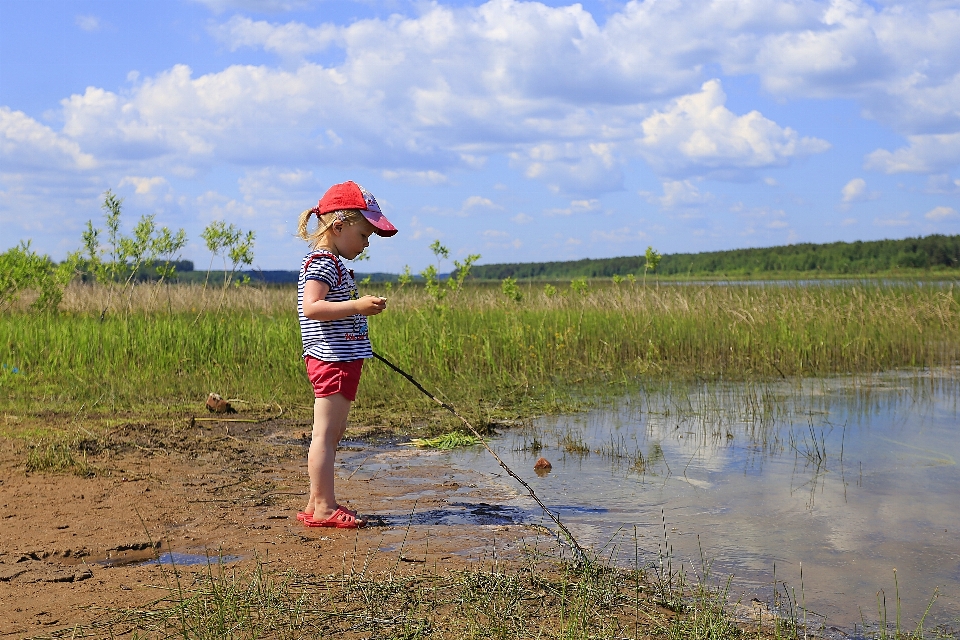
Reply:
x=849, y=479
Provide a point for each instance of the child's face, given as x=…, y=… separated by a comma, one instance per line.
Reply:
x=353, y=239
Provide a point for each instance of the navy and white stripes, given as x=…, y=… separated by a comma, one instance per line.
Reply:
x=332, y=340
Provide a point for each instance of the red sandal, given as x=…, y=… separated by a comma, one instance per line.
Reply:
x=303, y=516
x=341, y=519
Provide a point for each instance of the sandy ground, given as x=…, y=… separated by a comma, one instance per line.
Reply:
x=71, y=548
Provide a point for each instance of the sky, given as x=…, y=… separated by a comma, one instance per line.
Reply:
x=520, y=131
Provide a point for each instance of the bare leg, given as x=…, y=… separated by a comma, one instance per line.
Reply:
x=329, y=425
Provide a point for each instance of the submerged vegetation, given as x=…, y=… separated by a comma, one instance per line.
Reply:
x=155, y=347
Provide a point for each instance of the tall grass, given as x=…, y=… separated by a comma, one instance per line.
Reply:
x=160, y=348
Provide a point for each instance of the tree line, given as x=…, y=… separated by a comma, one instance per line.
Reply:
x=933, y=252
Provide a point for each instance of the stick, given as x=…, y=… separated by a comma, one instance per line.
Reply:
x=581, y=555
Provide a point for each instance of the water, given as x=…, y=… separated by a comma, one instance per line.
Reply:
x=847, y=479
x=147, y=556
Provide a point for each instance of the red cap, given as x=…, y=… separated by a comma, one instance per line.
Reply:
x=350, y=195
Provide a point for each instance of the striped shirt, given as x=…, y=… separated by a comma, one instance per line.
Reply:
x=332, y=340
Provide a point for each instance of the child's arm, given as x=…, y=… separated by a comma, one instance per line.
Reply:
x=316, y=308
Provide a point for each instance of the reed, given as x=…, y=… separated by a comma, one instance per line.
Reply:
x=166, y=347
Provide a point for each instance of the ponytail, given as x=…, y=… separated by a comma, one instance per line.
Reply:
x=324, y=223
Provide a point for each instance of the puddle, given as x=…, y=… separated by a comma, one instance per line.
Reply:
x=848, y=480
x=146, y=554
x=457, y=513
x=185, y=559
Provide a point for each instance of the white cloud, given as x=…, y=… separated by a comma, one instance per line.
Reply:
x=493, y=233
x=899, y=60
x=899, y=220
x=521, y=218
x=416, y=177
x=940, y=213
x=697, y=132
x=266, y=6
x=479, y=201
x=292, y=40
x=925, y=154
x=678, y=193
x=27, y=144
x=88, y=23
x=560, y=95
x=142, y=185
x=616, y=236
x=943, y=183
x=576, y=207
x=569, y=101
x=571, y=168
x=854, y=190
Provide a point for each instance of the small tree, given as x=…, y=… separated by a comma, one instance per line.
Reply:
x=579, y=285
x=22, y=269
x=431, y=275
x=405, y=277
x=511, y=289
x=652, y=261
x=233, y=246
x=462, y=271
x=125, y=257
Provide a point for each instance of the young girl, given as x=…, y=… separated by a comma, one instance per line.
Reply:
x=333, y=326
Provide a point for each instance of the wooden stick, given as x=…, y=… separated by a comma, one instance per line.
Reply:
x=581, y=555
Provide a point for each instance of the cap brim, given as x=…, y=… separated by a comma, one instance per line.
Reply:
x=381, y=226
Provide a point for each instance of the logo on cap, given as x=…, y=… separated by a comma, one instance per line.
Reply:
x=370, y=200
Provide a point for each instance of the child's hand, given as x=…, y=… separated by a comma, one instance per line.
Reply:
x=371, y=305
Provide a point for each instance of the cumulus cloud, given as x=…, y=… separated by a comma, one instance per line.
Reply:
x=925, y=154
x=697, y=132
x=561, y=96
x=570, y=102
x=576, y=207
x=678, y=193
x=479, y=201
x=854, y=190
x=27, y=144
x=940, y=213
x=291, y=40
x=570, y=168
x=142, y=185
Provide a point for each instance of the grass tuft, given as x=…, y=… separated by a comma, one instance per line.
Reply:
x=446, y=441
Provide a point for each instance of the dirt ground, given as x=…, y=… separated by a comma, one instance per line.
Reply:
x=71, y=548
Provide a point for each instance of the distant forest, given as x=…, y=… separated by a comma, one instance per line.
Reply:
x=931, y=253
x=935, y=252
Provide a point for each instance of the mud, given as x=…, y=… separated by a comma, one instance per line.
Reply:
x=73, y=550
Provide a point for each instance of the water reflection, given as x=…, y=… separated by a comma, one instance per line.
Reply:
x=849, y=478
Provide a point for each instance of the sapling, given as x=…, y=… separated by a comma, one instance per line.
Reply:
x=651, y=262
x=231, y=244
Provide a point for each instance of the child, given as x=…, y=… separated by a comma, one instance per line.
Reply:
x=333, y=326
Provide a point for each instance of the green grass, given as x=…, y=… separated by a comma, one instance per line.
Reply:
x=496, y=602
x=446, y=441
x=157, y=351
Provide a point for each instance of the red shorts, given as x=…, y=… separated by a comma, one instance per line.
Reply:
x=330, y=378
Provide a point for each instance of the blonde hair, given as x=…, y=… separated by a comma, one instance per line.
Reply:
x=325, y=223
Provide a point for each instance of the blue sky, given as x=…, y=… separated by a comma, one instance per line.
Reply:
x=522, y=131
